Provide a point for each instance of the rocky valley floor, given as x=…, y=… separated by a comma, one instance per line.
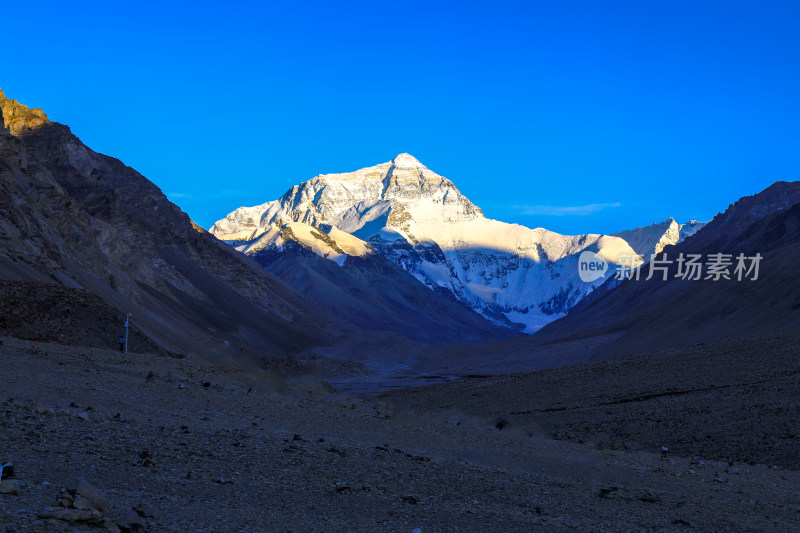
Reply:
x=194, y=447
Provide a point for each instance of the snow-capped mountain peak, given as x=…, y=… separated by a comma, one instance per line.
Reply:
x=405, y=160
x=513, y=275
x=351, y=200
x=651, y=240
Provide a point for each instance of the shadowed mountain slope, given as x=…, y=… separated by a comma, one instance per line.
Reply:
x=81, y=219
x=376, y=294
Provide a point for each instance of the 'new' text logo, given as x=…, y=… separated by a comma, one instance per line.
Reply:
x=591, y=266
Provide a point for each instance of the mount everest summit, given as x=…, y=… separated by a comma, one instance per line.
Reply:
x=515, y=276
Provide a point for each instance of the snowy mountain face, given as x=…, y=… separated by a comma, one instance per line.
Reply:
x=513, y=275
x=352, y=200
x=651, y=240
x=325, y=241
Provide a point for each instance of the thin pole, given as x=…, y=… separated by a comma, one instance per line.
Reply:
x=127, y=321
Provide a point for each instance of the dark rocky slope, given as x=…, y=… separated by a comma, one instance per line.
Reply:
x=48, y=312
x=73, y=217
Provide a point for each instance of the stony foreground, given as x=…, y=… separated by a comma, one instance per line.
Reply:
x=189, y=447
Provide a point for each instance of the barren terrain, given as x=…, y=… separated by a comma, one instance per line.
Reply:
x=199, y=448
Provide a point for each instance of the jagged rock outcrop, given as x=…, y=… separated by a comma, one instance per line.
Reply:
x=18, y=119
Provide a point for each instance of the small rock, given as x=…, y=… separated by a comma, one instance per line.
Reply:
x=410, y=498
x=608, y=492
x=81, y=503
x=733, y=470
x=338, y=452
x=83, y=415
x=343, y=487
x=132, y=522
x=6, y=471
x=95, y=497
x=9, y=486
x=650, y=497
x=181, y=386
x=146, y=459
x=71, y=515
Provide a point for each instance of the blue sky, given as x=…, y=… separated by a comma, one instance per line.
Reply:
x=576, y=116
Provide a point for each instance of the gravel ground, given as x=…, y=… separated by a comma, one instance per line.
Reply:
x=737, y=400
x=198, y=448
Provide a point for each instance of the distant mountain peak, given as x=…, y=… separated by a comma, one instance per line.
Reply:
x=652, y=239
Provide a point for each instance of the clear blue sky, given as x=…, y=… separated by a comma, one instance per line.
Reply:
x=576, y=116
